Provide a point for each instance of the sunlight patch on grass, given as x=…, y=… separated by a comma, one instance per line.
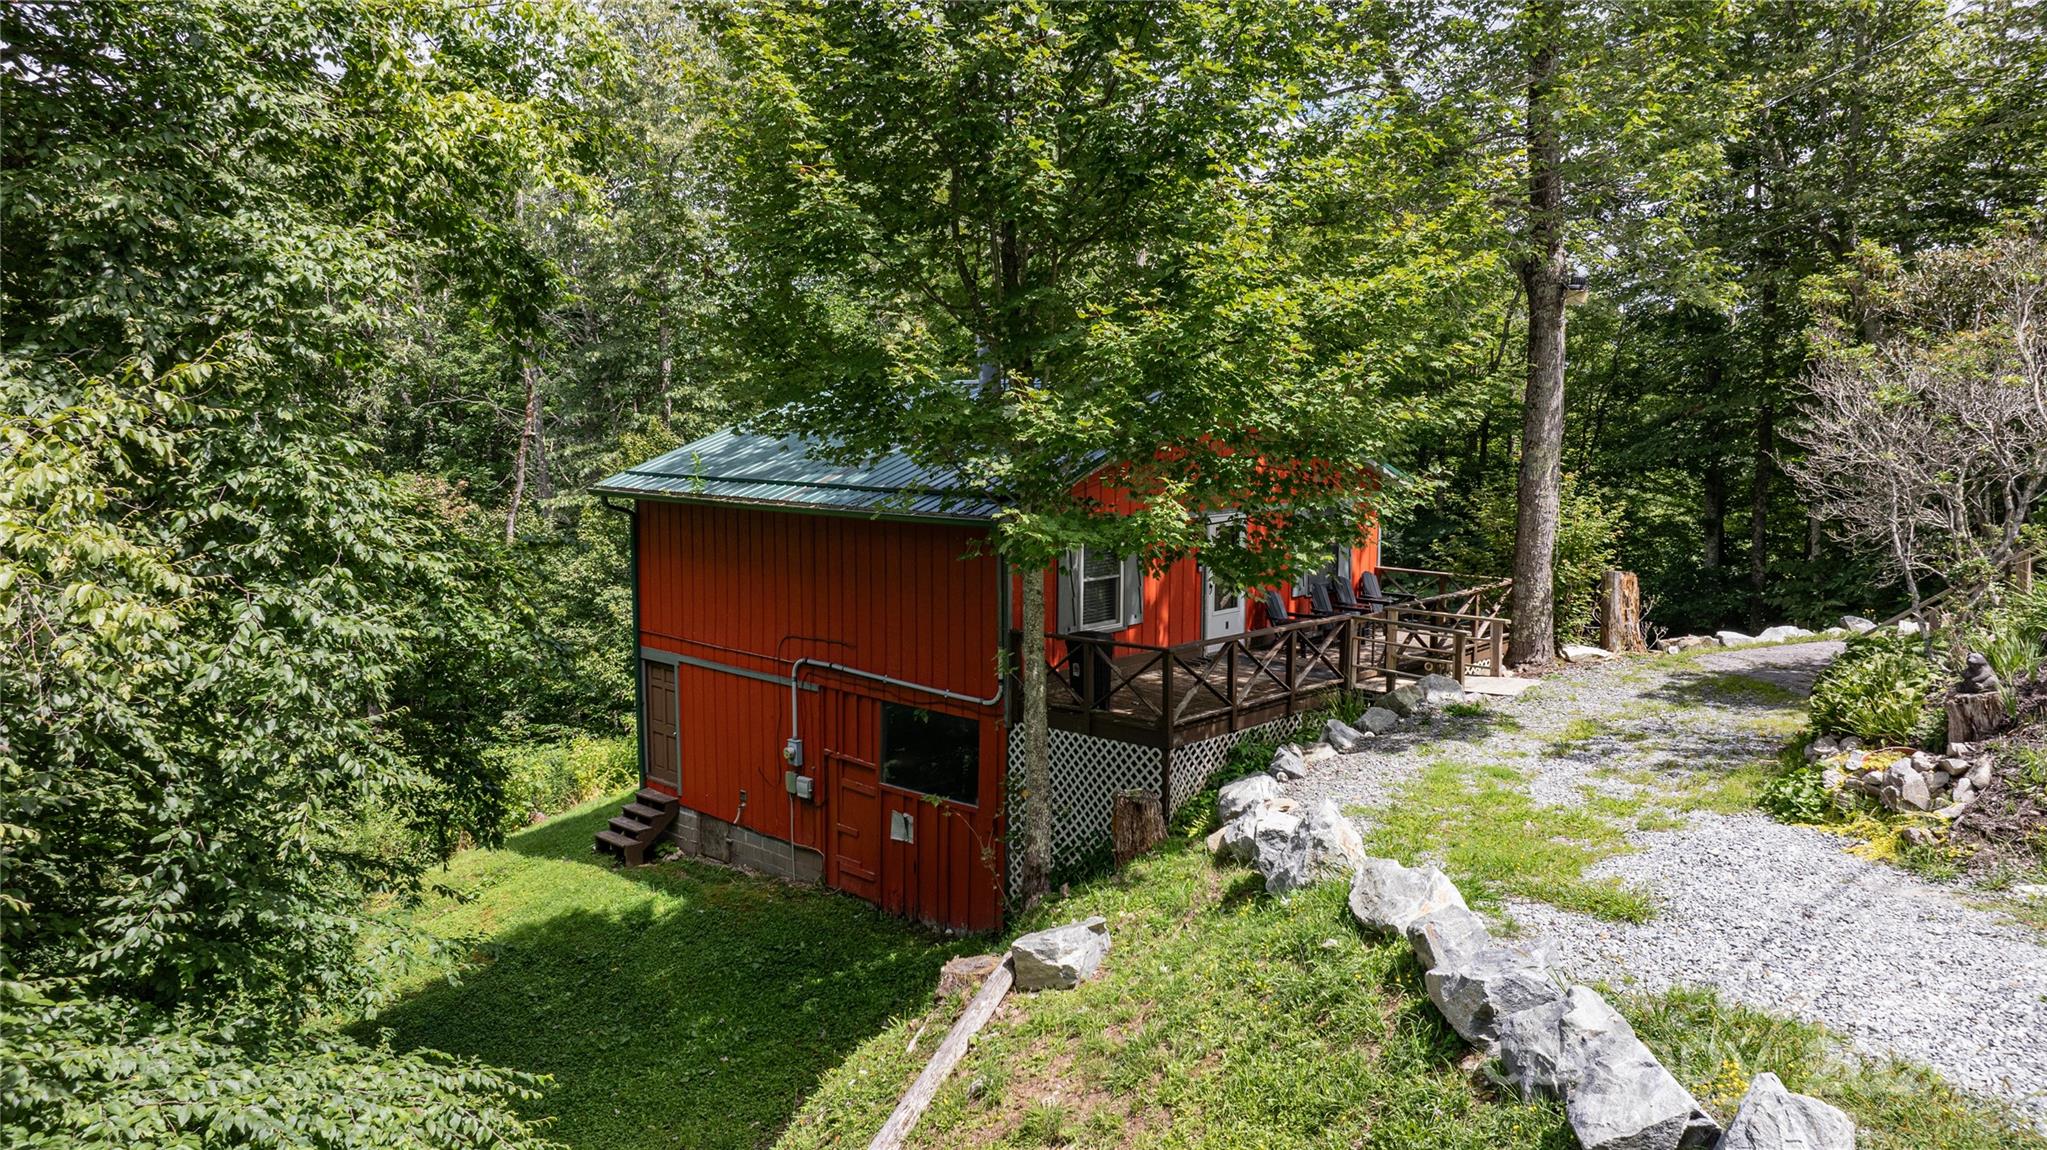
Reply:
x=1494, y=840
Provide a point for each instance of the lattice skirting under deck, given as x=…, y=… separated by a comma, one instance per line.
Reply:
x=1088, y=770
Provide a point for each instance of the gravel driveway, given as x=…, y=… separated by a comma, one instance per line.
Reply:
x=1776, y=917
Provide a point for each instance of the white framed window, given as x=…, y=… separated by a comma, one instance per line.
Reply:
x=1100, y=591
x=1338, y=567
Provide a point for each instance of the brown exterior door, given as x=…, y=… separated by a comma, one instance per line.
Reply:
x=663, y=727
x=855, y=820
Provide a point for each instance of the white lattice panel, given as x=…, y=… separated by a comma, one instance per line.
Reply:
x=1197, y=763
x=1087, y=771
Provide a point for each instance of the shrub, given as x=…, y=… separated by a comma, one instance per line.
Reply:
x=551, y=777
x=1797, y=795
x=2013, y=633
x=1882, y=689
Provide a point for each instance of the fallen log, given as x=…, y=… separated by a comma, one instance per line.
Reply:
x=948, y=1054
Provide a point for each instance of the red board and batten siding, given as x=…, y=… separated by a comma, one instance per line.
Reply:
x=756, y=589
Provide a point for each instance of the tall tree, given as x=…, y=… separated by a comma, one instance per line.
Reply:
x=1017, y=241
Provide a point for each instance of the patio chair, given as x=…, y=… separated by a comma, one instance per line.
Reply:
x=1333, y=597
x=1104, y=665
x=1373, y=596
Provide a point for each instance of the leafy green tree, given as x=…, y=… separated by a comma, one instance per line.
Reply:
x=1017, y=241
x=251, y=675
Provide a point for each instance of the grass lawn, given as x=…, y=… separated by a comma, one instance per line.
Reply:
x=677, y=1005
x=1226, y=1019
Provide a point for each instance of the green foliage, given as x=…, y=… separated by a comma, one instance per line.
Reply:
x=97, y=1076
x=548, y=778
x=2013, y=634
x=1588, y=531
x=1796, y=795
x=1882, y=689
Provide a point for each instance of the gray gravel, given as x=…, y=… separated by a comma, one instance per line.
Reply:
x=1774, y=916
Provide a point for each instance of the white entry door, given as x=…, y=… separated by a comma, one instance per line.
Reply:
x=1222, y=609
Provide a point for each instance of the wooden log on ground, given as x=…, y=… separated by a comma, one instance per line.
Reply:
x=948, y=1054
x=1974, y=718
x=1137, y=824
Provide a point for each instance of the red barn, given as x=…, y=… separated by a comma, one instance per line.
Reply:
x=821, y=686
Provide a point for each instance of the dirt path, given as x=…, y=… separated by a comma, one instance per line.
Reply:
x=1774, y=916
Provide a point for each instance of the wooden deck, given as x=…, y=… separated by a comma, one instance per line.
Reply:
x=1170, y=696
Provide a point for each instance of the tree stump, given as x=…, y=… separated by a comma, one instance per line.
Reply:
x=1974, y=718
x=1137, y=824
x=1620, y=612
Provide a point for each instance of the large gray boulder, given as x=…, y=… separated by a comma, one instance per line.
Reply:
x=1060, y=958
x=1773, y=1118
x=1241, y=795
x=1287, y=764
x=1323, y=846
x=1781, y=633
x=1378, y=720
x=1237, y=841
x=1616, y=1095
x=1386, y=896
x=1623, y=1099
x=1343, y=737
x=1858, y=624
x=1733, y=638
x=1447, y=937
x=1492, y=983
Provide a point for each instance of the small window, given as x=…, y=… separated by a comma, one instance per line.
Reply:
x=931, y=753
x=1101, y=589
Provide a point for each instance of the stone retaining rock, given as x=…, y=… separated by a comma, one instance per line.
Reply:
x=1060, y=958
x=1344, y=738
x=1385, y=896
x=1287, y=764
x=1488, y=984
x=1447, y=936
x=1323, y=845
x=1241, y=795
x=1439, y=690
x=1405, y=701
x=1781, y=633
x=1378, y=720
x=1773, y=1118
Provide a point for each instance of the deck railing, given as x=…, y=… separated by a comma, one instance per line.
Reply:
x=1170, y=695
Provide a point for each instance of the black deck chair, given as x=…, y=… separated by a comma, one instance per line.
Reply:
x=1104, y=669
x=1373, y=595
x=1332, y=597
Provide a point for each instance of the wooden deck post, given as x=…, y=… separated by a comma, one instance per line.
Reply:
x=1459, y=655
x=1391, y=646
x=1498, y=627
x=1347, y=658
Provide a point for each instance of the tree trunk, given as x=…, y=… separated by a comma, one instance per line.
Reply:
x=1037, y=789
x=665, y=335
x=1759, y=515
x=1713, y=516
x=528, y=432
x=1543, y=272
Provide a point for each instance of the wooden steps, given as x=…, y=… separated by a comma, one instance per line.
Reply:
x=637, y=826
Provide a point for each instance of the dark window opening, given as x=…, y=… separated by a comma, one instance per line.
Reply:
x=931, y=753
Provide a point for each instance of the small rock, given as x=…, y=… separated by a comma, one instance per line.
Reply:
x=1858, y=624
x=1833, y=778
x=1850, y=743
x=1905, y=788
x=1386, y=896
x=1499, y=980
x=1404, y=701
x=1950, y=812
x=1965, y=792
x=1962, y=750
x=1378, y=720
x=1323, y=845
x=1438, y=690
x=1908, y=627
x=1343, y=737
x=1447, y=936
x=1060, y=958
x=976, y=1088
x=1287, y=764
x=1241, y=795
x=1923, y=761
x=1980, y=774
x=1733, y=638
x=1773, y=1118
x=1585, y=653
x=1822, y=747
x=1918, y=837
